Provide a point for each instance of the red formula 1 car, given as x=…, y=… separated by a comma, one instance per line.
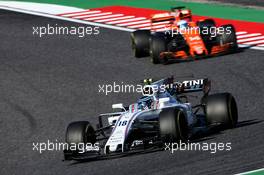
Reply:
x=182, y=38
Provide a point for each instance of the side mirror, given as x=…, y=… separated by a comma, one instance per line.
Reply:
x=118, y=106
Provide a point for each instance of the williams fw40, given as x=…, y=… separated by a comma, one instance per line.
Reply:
x=182, y=38
x=162, y=115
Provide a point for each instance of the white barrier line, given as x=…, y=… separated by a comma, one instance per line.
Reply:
x=103, y=17
x=114, y=19
x=248, y=35
x=87, y=13
x=65, y=18
x=137, y=22
x=74, y=13
x=254, y=42
x=154, y=27
x=253, y=171
x=93, y=15
x=147, y=24
x=126, y=20
x=240, y=33
x=140, y=26
x=81, y=21
x=250, y=39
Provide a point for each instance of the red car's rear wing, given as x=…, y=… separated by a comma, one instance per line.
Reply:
x=161, y=17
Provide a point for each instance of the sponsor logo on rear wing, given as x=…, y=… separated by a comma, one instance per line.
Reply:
x=194, y=85
x=176, y=87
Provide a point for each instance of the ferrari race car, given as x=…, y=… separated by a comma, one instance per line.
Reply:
x=182, y=38
x=162, y=115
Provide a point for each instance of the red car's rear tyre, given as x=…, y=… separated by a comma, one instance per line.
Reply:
x=228, y=36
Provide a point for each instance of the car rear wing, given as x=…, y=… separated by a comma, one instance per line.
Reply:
x=177, y=8
x=194, y=85
x=182, y=86
x=161, y=17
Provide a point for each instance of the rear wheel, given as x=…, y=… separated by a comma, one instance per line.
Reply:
x=221, y=109
x=173, y=125
x=228, y=35
x=157, y=46
x=140, y=43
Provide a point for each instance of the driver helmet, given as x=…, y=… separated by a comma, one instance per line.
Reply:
x=182, y=24
x=144, y=103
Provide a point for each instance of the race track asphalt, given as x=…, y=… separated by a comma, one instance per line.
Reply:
x=45, y=83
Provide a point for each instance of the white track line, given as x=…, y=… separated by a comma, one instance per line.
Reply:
x=114, y=19
x=254, y=42
x=103, y=17
x=148, y=24
x=73, y=13
x=240, y=33
x=141, y=25
x=154, y=27
x=160, y=30
x=126, y=20
x=65, y=18
x=248, y=35
x=249, y=172
x=93, y=15
x=131, y=23
x=86, y=13
x=250, y=39
x=53, y=16
x=258, y=47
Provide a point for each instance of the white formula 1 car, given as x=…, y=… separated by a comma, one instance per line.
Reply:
x=163, y=114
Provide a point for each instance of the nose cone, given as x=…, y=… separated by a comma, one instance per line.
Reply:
x=113, y=148
x=199, y=50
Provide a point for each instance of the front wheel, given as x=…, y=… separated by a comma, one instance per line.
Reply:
x=173, y=125
x=140, y=43
x=80, y=132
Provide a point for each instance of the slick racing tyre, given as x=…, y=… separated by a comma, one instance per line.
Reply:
x=80, y=132
x=207, y=31
x=173, y=125
x=157, y=46
x=228, y=35
x=140, y=43
x=221, y=109
x=207, y=23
